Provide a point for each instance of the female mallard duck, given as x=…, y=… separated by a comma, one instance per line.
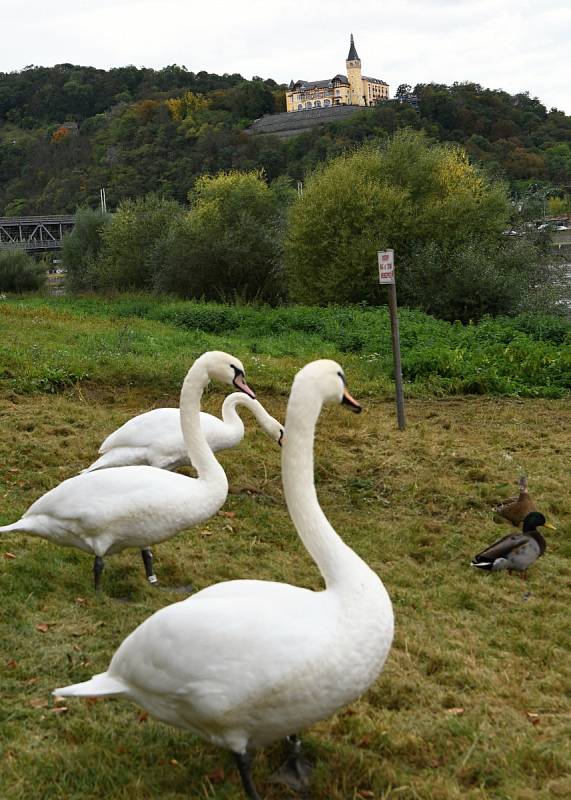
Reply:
x=516, y=509
x=516, y=550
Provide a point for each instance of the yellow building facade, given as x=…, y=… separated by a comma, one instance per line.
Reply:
x=353, y=89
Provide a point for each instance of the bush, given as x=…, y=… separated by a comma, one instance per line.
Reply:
x=229, y=245
x=424, y=200
x=81, y=250
x=19, y=272
x=130, y=240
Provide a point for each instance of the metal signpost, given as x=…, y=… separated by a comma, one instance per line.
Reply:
x=387, y=277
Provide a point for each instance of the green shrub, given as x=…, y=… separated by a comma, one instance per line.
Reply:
x=129, y=241
x=19, y=272
x=81, y=250
x=229, y=245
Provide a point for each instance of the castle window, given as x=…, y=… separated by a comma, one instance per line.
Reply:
x=327, y=103
x=338, y=92
x=308, y=105
x=299, y=106
x=318, y=104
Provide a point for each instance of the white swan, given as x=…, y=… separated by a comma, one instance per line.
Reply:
x=246, y=662
x=106, y=511
x=155, y=437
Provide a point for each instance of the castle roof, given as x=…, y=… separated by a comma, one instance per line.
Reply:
x=336, y=80
x=352, y=51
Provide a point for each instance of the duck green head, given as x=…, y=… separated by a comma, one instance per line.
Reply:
x=536, y=520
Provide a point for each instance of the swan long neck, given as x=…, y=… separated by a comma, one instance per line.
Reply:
x=336, y=561
x=231, y=416
x=201, y=455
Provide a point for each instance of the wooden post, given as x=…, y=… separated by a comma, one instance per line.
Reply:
x=387, y=276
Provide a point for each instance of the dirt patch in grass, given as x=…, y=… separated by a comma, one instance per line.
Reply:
x=475, y=701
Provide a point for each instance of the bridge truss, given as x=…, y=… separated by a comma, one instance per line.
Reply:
x=35, y=233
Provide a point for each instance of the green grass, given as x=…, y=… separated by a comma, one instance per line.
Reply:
x=140, y=339
x=475, y=700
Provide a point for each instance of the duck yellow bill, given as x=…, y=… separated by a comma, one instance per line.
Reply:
x=549, y=525
x=347, y=400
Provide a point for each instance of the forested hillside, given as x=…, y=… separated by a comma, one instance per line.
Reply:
x=66, y=131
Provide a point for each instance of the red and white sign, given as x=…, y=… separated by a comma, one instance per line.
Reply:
x=386, y=266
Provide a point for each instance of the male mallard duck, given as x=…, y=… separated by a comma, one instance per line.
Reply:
x=516, y=509
x=516, y=550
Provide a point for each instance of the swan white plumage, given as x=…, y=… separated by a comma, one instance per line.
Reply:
x=155, y=437
x=109, y=510
x=244, y=663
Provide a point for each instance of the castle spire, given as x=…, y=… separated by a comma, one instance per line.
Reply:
x=352, y=51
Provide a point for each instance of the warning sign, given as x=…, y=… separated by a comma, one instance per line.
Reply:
x=386, y=266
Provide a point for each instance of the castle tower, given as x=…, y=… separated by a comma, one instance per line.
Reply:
x=353, y=64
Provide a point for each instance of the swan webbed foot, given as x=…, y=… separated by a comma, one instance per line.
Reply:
x=147, y=554
x=244, y=762
x=295, y=772
x=98, y=567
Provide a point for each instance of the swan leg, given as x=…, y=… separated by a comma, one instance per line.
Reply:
x=295, y=772
x=243, y=762
x=98, y=567
x=148, y=562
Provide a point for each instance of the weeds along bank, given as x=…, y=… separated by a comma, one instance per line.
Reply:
x=47, y=345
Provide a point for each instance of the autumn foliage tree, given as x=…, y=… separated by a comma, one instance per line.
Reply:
x=428, y=203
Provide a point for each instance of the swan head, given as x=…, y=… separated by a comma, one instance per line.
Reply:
x=327, y=380
x=225, y=368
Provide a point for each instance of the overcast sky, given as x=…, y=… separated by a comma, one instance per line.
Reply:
x=515, y=45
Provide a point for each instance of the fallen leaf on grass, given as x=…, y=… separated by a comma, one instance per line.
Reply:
x=533, y=718
x=365, y=793
x=9, y=555
x=455, y=712
x=43, y=627
x=80, y=601
x=90, y=701
x=143, y=716
x=365, y=741
x=228, y=514
x=11, y=664
x=217, y=776
x=59, y=710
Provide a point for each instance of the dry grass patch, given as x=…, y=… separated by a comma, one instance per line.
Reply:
x=475, y=701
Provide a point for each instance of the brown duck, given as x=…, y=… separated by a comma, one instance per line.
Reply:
x=516, y=509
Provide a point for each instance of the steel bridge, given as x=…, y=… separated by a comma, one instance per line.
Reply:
x=35, y=233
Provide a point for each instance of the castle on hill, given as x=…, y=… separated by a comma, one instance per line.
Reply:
x=353, y=89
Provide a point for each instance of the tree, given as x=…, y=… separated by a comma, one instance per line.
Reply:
x=402, y=194
x=81, y=250
x=130, y=238
x=229, y=244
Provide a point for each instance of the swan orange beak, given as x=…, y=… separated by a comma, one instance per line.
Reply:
x=347, y=400
x=240, y=383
